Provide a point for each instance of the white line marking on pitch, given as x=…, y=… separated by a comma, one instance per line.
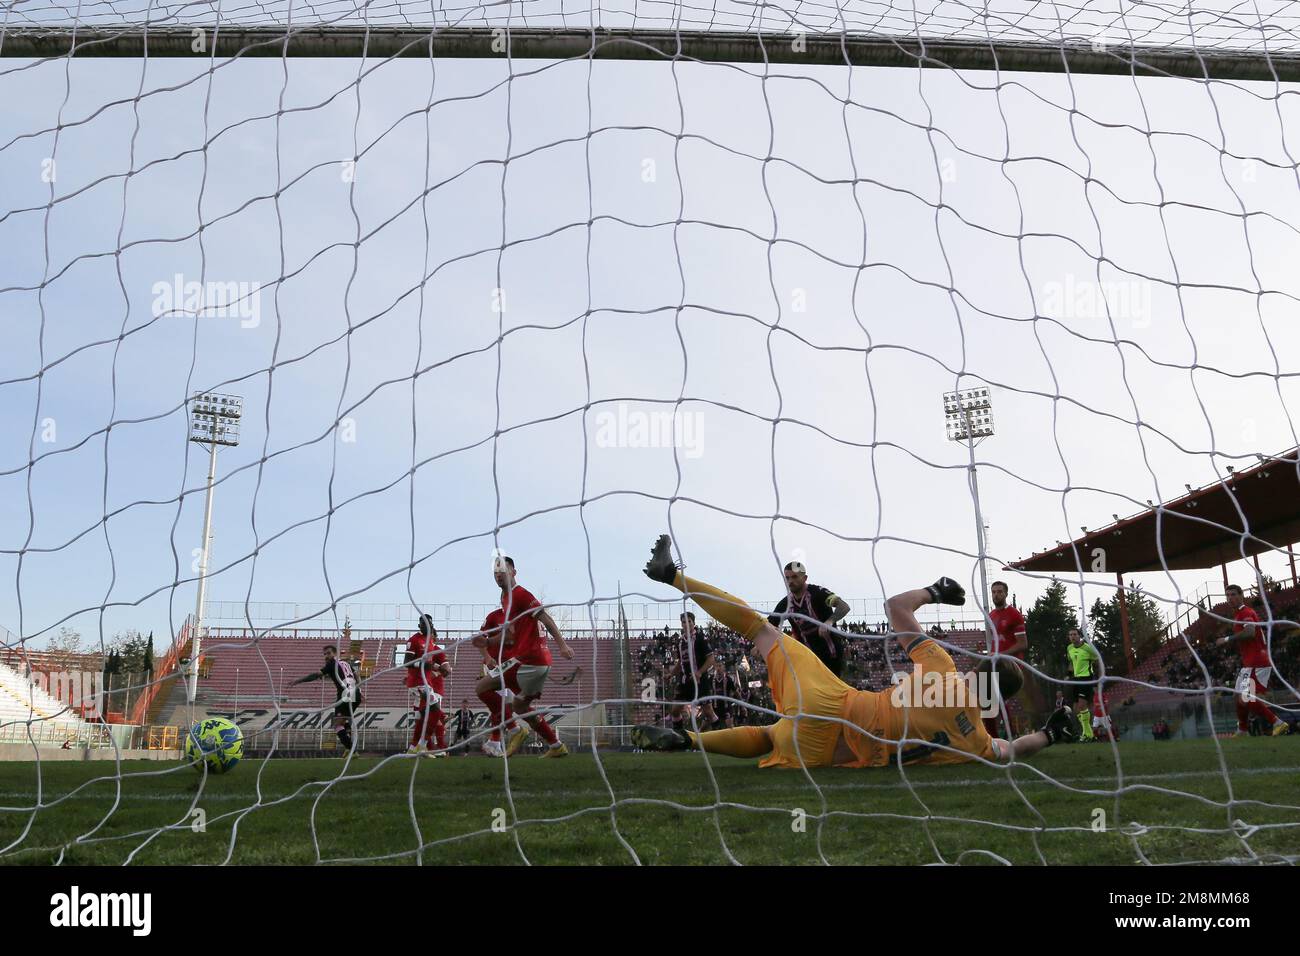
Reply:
x=335, y=794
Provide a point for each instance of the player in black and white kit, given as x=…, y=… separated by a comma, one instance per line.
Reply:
x=692, y=668
x=813, y=613
x=347, y=695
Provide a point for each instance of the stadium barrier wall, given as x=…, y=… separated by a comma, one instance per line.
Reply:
x=13, y=752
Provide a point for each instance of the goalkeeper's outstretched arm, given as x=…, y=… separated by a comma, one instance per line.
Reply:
x=901, y=610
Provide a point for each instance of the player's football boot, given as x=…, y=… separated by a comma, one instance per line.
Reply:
x=947, y=591
x=559, y=750
x=650, y=737
x=413, y=749
x=493, y=748
x=661, y=567
x=1281, y=729
x=516, y=741
x=1062, y=726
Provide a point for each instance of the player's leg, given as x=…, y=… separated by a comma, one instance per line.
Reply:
x=439, y=730
x=708, y=713
x=490, y=690
x=727, y=609
x=523, y=707
x=1083, y=713
x=430, y=722
x=1259, y=677
x=1243, y=713
x=421, y=708
x=677, y=717
x=732, y=742
x=704, y=688
x=343, y=725
x=527, y=682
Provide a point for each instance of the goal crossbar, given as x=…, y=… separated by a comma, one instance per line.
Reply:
x=711, y=46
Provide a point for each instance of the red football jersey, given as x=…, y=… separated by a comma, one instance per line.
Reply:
x=1007, y=622
x=436, y=680
x=426, y=672
x=1253, y=651
x=527, y=644
x=490, y=625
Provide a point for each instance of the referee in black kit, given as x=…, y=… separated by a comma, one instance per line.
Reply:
x=812, y=612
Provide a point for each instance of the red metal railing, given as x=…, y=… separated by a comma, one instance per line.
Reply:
x=166, y=667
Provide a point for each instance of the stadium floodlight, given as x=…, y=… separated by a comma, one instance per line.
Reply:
x=214, y=421
x=968, y=414
x=968, y=418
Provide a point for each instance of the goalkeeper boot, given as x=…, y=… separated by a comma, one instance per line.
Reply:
x=947, y=591
x=1280, y=728
x=650, y=737
x=557, y=750
x=1061, y=727
x=516, y=740
x=661, y=567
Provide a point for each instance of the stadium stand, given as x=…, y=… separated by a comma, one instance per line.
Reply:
x=22, y=700
x=243, y=671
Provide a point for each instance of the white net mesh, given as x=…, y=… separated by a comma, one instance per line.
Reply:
x=556, y=306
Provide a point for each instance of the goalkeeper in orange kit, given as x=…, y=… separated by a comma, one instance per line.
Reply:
x=826, y=722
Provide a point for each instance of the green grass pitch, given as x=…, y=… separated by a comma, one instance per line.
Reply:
x=563, y=810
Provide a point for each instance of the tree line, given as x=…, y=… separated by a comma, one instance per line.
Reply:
x=1049, y=621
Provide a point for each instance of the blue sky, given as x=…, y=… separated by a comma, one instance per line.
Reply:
x=974, y=211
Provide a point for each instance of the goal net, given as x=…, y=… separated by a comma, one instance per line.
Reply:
x=312, y=311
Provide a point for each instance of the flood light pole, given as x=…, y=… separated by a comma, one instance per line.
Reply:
x=968, y=416
x=214, y=421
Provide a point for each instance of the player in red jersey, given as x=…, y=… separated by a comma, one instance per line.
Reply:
x=1256, y=668
x=519, y=661
x=1009, y=630
x=426, y=670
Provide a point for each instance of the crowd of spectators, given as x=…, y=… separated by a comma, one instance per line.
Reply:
x=739, y=676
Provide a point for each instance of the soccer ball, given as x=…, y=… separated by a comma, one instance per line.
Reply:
x=216, y=743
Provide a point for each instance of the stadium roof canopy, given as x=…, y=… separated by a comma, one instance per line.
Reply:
x=1250, y=512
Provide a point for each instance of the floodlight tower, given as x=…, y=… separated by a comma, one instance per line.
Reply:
x=214, y=421
x=968, y=416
